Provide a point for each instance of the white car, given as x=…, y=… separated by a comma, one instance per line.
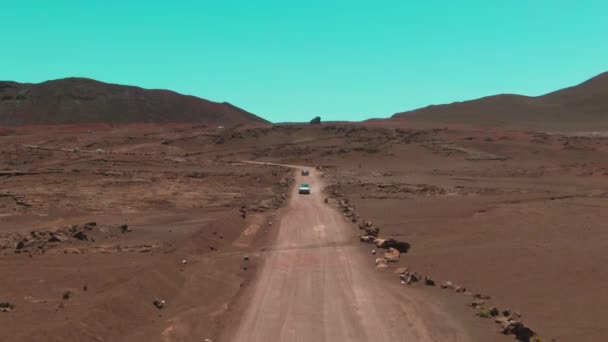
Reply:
x=304, y=189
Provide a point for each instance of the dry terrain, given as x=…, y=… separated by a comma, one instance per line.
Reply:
x=316, y=285
x=514, y=215
x=89, y=239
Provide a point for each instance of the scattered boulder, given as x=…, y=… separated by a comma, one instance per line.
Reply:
x=401, y=270
x=517, y=328
x=159, y=303
x=410, y=278
x=402, y=247
x=66, y=295
x=316, y=120
x=503, y=321
x=380, y=242
x=80, y=235
x=56, y=237
x=448, y=285
x=428, y=281
x=372, y=231
x=367, y=239
x=487, y=312
x=125, y=229
x=392, y=255
x=6, y=307
x=481, y=296
x=478, y=303
x=381, y=263
x=20, y=245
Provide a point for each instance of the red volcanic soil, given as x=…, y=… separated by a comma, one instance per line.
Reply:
x=80, y=100
x=184, y=210
x=580, y=108
x=518, y=216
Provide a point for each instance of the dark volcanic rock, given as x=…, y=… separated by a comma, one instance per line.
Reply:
x=58, y=238
x=6, y=307
x=80, y=235
x=372, y=231
x=521, y=332
x=402, y=247
x=20, y=245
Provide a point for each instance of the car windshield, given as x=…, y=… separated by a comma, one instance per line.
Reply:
x=304, y=185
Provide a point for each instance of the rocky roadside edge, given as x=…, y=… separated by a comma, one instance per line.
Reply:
x=510, y=322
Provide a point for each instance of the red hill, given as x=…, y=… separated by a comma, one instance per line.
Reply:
x=582, y=107
x=81, y=100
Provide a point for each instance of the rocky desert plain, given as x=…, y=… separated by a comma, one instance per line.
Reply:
x=416, y=229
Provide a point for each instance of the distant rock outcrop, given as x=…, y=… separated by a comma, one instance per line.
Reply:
x=316, y=120
x=81, y=100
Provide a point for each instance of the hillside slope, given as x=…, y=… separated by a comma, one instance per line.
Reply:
x=81, y=100
x=582, y=107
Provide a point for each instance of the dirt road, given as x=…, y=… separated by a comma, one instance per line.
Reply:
x=317, y=285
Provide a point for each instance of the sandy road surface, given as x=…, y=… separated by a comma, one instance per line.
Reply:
x=317, y=285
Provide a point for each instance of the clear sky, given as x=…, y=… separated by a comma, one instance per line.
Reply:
x=291, y=60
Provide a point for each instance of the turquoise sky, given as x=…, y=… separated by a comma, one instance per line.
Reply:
x=292, y=60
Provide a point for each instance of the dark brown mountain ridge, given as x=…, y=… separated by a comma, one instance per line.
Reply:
x=82, y=100
x=582, y=107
